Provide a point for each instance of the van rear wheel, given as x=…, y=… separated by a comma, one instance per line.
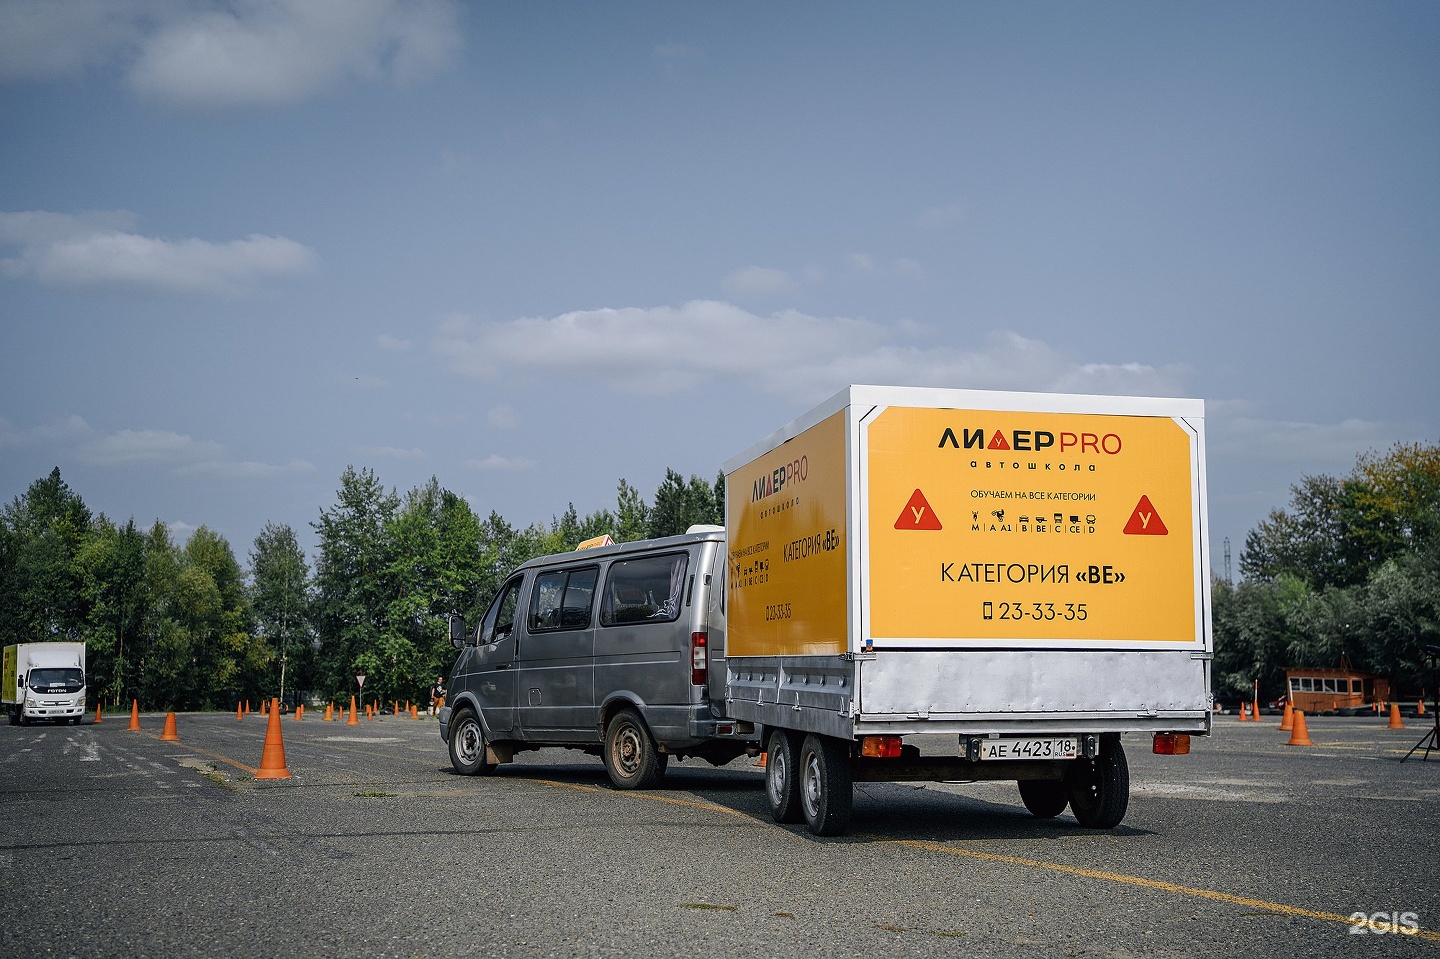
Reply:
x=827, y=789
x=782, y=777
x=468, y=746
x=631, y=758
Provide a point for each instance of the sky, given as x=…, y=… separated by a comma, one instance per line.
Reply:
x=532, y=248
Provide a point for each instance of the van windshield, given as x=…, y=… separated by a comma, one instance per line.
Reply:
x=56, y=679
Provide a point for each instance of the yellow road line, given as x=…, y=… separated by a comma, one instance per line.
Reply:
x=205, y=752
x=1162, y=886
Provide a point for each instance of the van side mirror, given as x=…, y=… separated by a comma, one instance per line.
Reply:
x=458, y=633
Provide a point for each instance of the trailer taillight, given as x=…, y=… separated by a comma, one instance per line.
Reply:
x=699, y=663
x=881, y=747
x=1172, y=744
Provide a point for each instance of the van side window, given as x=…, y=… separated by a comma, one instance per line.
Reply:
x=499, y=621
x=645, y=590
x=562, y=599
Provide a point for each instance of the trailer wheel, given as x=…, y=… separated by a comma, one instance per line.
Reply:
x=1099, y=788
x=467, y=745
x=630, y=755
x=826, y=787
x=1045, y=798
x=782, y=777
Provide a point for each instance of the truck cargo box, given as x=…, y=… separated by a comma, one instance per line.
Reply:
x=985, y=564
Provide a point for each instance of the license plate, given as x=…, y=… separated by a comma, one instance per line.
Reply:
x=1036, y=747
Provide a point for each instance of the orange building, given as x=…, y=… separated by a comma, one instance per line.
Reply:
x=1319, y=690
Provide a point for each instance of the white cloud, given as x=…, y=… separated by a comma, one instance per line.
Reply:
x=503, y=417
x=45, y=40
x=503, y=463
x=392, y=453
x=392, y=343
x=903, y=268
x=791, y=354
x=146, y=446
x=1303, y=444
x=759, y=281
x=94, y=249
x=941, y=217
x=246, y=469
x=233, y=52
x=163, y=449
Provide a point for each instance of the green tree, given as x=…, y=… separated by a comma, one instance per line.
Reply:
x=680, y=504
x=43, y=598
x=112, y=572
x=280, y=599
x=351, y=596
x=632, y=516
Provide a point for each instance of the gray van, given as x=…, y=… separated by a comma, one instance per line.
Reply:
x=608, y=650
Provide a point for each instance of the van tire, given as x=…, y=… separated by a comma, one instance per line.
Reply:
x=631, y=758
x=1099, y=788
x=827, y=788
x=782, y=779
x=1045, y=798
x=468, y=749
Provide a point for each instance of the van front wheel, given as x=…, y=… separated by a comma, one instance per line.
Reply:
x=468, y=746
x=631, y=758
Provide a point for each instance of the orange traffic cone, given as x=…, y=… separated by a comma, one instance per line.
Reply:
x=1244, y=712
x=761, y=763
x=168, y=734
x=247, y=707
x=329, y=711
x=272, y=757
x=239, y=714
x=1287, y=723
x=98, y=720
x=1395, y=722
x=414, y=712
x=352, y=721
x=134, y=716
x=1299, y=735
x=1419, y=708
x=299, y=711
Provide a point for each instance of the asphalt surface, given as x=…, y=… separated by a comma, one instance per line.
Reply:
x=114, y=843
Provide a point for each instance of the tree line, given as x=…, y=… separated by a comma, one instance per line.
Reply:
x=186, y=627
x=1348, y=573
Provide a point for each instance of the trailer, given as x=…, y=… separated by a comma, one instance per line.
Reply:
x=1024, y=572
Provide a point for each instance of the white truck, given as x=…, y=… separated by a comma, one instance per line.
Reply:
x=43, y=681
x=1024, y=572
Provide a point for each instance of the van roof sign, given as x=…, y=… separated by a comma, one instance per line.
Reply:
x=596, y=542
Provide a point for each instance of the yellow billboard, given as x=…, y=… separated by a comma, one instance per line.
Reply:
x=785, y=513
x=998, y=526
